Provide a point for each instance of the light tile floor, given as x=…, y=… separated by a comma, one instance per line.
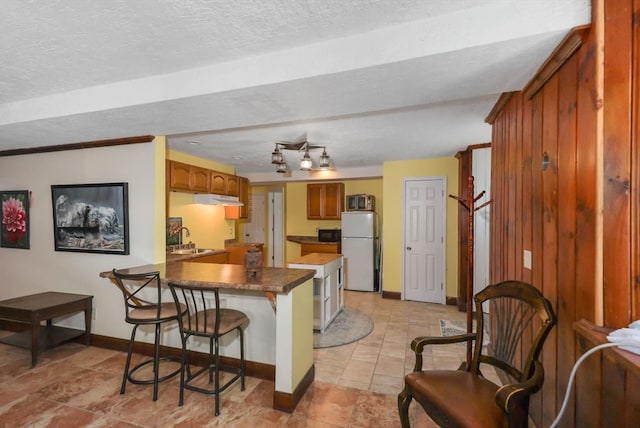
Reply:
x=356, y=385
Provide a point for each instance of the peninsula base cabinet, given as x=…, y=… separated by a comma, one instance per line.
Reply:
x=325, y=247
x=328, y=289
x=237, y=251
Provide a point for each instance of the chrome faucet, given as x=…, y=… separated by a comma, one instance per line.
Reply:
x=188, y=234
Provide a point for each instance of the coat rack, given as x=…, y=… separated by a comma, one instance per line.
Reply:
x=469, y=204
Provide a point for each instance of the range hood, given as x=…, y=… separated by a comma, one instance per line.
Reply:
x=211, y=199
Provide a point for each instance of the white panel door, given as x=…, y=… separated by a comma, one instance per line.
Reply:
x=424, y=226
x=254, y=229
x=481, y=165
x=276, y=229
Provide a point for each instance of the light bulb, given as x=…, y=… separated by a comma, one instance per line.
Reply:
x=305, y=163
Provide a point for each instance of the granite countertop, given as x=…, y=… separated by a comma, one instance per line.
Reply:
x=308, y=240
x=214, y=275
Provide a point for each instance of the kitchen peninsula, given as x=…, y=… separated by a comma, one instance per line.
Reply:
x=279, y=333
x=328, y=290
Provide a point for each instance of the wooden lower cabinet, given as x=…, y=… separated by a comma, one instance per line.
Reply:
x=214, y=258
x=237, y=252
x=335, y=248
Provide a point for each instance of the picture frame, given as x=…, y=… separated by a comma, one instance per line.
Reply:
x=174, y=231
x=91, y=218
x=14, y=224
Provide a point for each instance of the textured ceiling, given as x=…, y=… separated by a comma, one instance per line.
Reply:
x=371, y=80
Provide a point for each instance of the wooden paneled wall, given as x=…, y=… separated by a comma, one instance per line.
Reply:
x=578, y=213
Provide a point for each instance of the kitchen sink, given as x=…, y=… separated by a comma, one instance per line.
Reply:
x=192, y=251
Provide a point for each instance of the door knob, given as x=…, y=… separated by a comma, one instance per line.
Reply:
x=409, y=248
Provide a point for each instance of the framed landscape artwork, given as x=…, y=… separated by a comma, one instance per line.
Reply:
x=91, y=218
x=15, y=219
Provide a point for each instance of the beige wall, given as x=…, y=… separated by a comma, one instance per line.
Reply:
x=394, y=174
x=41, y=268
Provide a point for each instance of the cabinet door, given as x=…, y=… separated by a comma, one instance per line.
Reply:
x=333, y=201
x=324, y=201
x=237, y=252
x=215, y=258
x=315, y=199
x=243, y=194
x=199, y=179
x=318, y=248
x=218, y=184
x=179, y=176
x=233, y=185
x=234, y=213
x=188, y=178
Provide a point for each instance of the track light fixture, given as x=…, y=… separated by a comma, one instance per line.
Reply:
x=306, y=164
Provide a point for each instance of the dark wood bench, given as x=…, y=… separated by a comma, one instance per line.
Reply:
x=34, y=309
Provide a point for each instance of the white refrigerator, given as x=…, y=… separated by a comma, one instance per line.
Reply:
x=360, y=250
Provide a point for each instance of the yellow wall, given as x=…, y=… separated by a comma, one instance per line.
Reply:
x=296, y=222
x=204, y=163
x=392, y=235
x=208, y=227
x=160, y=195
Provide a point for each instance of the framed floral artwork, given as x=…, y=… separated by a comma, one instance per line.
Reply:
x=15, y=219
x=91, y=218
x=174, y=230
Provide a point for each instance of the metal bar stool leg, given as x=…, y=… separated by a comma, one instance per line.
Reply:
x=156, y=362
x=242, y=362
x=128, y=363
x=217, y=377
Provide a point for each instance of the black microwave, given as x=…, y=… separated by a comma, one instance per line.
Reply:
x=361, y=202
x=329, y=235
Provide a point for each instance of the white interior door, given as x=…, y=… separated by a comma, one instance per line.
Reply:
x=275, y=230
x=481, y=165
x=254, y=229
x=424, y=238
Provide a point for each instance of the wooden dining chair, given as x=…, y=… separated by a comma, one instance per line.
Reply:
x=521, y=319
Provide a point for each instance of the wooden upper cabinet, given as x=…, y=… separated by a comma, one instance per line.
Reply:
x=234, y=213
x=314, y=201
x=324, y=201
x=179, y=178
x=243, y=194
x=233, y=185
x=333, y=195
x=188, y=178
x=218, y=183
x=199, y=179
x=182, y=177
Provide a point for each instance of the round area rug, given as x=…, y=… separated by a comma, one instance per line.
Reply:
x=348, y=326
